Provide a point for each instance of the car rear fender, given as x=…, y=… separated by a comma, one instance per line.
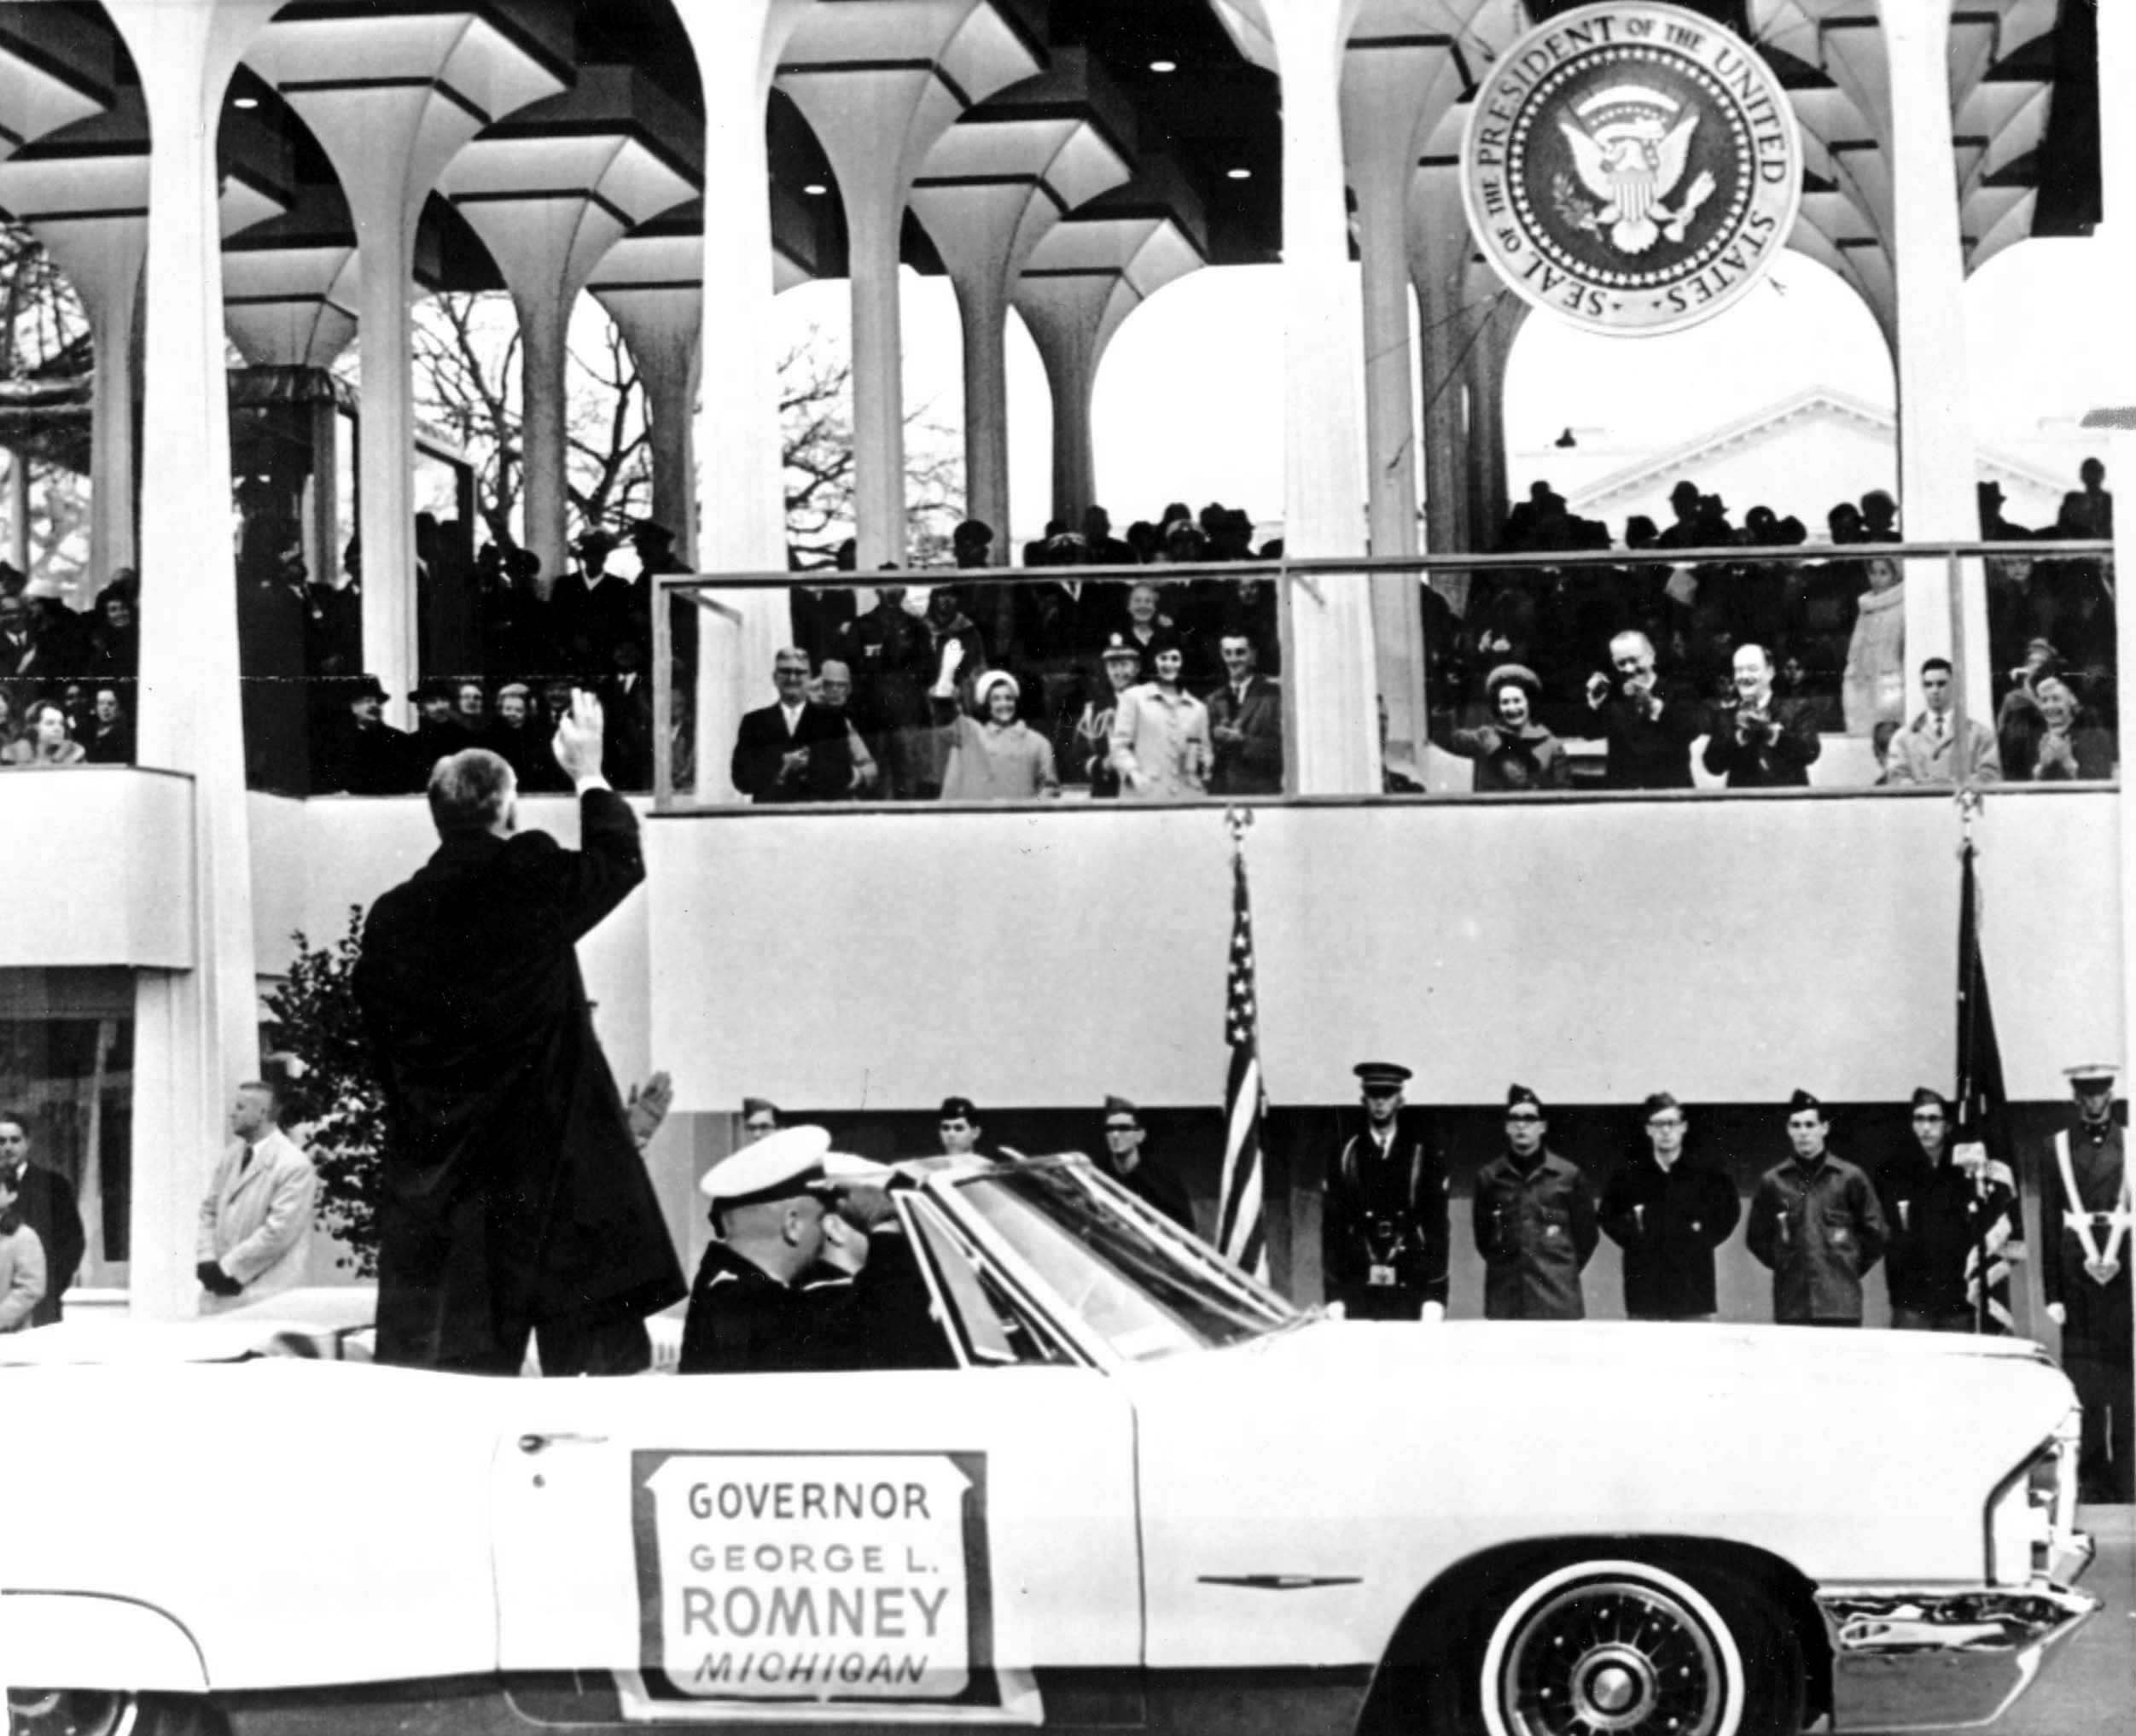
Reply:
x=80, y=1639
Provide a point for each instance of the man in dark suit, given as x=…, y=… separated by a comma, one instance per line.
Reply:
x=1761, y=741
x=1648, y=730
x=513, y=1201
x=1246, y=725
x=795, y=750
x=46, y=1199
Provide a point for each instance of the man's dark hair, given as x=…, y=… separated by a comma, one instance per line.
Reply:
x=266, y=1087
x=469, y=791
x=1942, y=663
x=15, y=1118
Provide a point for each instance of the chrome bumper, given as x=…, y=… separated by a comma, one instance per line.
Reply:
x=1911, y=1660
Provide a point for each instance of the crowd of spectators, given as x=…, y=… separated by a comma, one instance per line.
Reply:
x=68, y=677
x=592, y=629
x=963, y=688
x=1522, y=660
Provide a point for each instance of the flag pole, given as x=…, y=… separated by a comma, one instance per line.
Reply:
x=1242, y=1222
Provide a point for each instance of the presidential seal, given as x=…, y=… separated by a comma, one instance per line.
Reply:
x=1632, y=167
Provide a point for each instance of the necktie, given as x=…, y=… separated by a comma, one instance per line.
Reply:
x=1939, y=726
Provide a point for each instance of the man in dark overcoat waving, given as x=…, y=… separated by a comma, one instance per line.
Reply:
x=513, y=1202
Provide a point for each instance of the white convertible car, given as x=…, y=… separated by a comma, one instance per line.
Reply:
x=1151, y=1496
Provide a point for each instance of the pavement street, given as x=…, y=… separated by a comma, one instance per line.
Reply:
x=2090, y=1688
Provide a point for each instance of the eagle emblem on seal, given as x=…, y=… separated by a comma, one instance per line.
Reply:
x=1630, y=144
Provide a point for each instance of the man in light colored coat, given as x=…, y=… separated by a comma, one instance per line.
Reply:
x=255, y=1233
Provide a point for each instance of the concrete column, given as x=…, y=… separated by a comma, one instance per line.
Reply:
x=1384, y=86
x=738, y=43
x=1935, y=430
x=1072, y=320
x=1439, y=249
x=664, y=330
x=1330, y=663
x=982, y=307
x=102, y=259
x=544, y=355
x=196, y=1031
x=2117, y=233
x=1489, y=497
x=863, y=121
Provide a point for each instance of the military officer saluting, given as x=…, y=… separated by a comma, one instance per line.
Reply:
x=1535, y=1222
x=1383, y=1227
x=747, y=1313
x=2087, y=1200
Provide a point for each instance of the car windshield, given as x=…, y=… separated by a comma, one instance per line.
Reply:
x=1148, y=1288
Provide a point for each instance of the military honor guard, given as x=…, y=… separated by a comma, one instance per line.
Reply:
x=1383, y=1226
x=1669, y=1209
x=2088, y=1198
x=1940, y=1205
x=1535, y=1221
x=1816, y=1224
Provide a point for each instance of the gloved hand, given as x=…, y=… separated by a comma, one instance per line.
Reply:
x=953, y=659
x=216, y=1281
x=2057, y=1313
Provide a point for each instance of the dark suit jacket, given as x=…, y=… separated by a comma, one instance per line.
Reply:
x=1650, y=753
x=762, y=741
x=46, y=1203
x=1781, y=760
x=513, y=1194
x=1254, y=766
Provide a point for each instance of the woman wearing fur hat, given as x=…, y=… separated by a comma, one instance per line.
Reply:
x=1515, y=752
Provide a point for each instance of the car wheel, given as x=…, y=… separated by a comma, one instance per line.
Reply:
x=1627, y=1648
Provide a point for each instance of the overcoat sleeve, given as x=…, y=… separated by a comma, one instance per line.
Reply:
x=26, y=1288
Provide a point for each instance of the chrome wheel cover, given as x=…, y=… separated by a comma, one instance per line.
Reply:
x=1612, y=1649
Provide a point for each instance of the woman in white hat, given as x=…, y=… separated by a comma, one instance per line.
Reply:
x=995, y=756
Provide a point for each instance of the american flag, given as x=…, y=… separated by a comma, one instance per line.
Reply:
x=1241, y=1226
x=1980, y=1139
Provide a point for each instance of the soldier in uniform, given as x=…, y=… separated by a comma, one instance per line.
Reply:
x=1535, y=1221
x=2086, y=1200
x=1938, y=1208
x=1668, y=1209
x=1816, y=1225
x=748, y=1314
x=1383, y=1226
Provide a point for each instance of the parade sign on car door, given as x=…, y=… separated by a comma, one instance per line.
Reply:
x=812, y=1576
x=1633, y=168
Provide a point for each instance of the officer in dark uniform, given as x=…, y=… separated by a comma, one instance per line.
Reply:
x=1127, y=1162
x=1535, y=1222
x=1383, y=1226
x=747, y=1314
x=1939, y=1209
x=2087, y=1187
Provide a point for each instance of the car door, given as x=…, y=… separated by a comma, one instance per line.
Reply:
x=943, y=1543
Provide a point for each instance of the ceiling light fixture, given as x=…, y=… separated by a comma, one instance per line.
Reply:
x=1164, y=66
x=1239, y=174
x=815, y=189
x=244, y=103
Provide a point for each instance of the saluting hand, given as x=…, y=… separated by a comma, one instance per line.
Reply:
x=579, y=737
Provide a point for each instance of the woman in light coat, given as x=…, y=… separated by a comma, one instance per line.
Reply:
x=995, y=756
x=1161, y=746
x=21, y=1263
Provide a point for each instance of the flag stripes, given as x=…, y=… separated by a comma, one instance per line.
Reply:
x=1242, y=1223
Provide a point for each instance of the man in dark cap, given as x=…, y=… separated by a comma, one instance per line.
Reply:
x=513, y=1200
x=959, y=1127
x=1816, y=1225
x=2088, y=1203
x=1688, y=531
x=1127, y=1162
x=1668, y=1209
x=747, y=1313
x=364, y=755
x=1383, y=1224
x=1938, y=1210
x=1535, y=1221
